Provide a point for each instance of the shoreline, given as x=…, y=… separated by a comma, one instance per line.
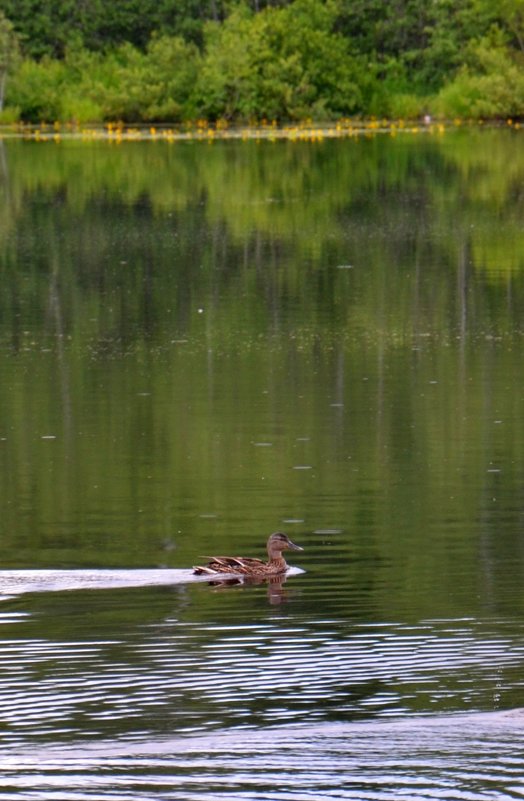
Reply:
x=209, y=132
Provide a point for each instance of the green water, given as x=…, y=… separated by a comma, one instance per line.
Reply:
x=201, y=344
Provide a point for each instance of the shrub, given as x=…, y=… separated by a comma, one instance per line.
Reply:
x=490, y=84
x=36, y=88
x=282, y=63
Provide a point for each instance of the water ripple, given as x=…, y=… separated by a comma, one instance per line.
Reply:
x=163, y=701
x=274, y=675
x=458, y=757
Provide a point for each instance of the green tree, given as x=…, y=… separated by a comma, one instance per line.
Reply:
x=490, y=83
x=37, y=89
x=511, y=15
x=45, y=28
x=50, y=28
x=415, y=43
x=156, y=85
x=282, y=63
x=9, y=53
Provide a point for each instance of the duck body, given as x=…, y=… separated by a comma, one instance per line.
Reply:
x=248, y=566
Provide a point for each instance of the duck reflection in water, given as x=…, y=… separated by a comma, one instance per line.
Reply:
x=276, y=593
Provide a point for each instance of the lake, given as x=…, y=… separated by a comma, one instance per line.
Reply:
x=202, y=343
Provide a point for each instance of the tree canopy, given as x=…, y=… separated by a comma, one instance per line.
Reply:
x=173, y=60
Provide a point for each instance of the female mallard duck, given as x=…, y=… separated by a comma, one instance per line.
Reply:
x=239, y=566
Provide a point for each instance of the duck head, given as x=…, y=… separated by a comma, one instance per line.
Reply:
x=279, y=542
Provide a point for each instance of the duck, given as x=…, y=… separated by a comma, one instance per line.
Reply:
x=248, y=566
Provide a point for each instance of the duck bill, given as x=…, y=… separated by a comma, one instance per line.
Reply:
x=294, y=547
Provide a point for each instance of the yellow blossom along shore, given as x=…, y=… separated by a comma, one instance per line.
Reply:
x=202, y=130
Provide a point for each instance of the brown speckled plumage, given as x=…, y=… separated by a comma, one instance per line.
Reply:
x=246, y=566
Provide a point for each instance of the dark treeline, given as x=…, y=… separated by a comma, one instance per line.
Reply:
x=50, y=28
x=101, y=25
x=141, y=60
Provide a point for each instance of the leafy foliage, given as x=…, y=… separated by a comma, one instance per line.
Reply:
x=273, y=59
x=9, y=53
x=145, y=86
x=424, y=39
x=280, y=63
x=125, y=85
x=490, y=84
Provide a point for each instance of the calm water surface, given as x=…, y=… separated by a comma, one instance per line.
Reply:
x=203, y=344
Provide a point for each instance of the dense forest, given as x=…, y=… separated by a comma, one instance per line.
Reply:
x=181, y=60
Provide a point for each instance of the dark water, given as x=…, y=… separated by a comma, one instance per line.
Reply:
x=201, y=344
